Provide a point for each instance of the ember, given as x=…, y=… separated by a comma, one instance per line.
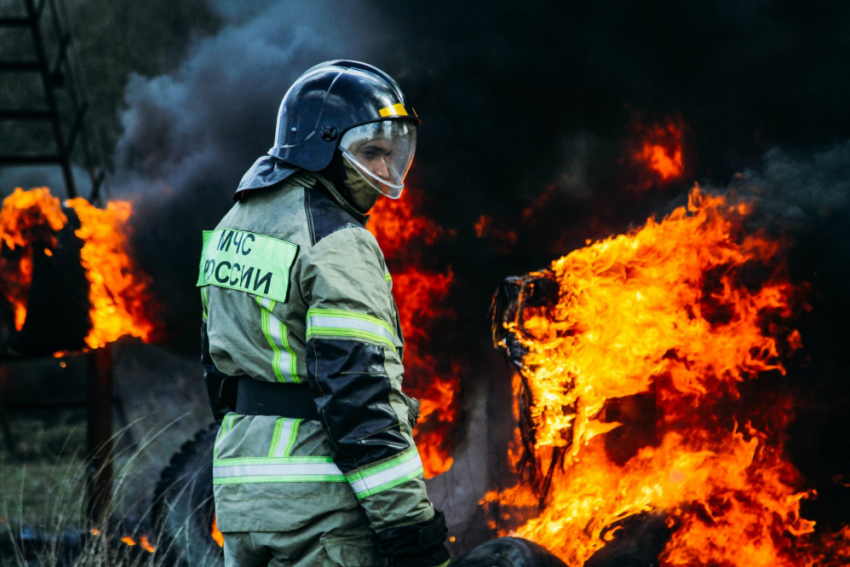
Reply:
x=217, y=536
x=420, y=292
x=119, y=300
x=679, y=312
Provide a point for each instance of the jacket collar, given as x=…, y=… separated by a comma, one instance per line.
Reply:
x=340, y=200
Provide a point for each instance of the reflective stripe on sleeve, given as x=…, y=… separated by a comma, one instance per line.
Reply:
x=268, y=470
x=349, y=324
x=284, y=363
x=379, y=478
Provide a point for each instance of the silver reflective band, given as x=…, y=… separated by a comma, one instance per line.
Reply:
x=346, y=323
x=292, y=469
x=386, y=476
x=339, y=323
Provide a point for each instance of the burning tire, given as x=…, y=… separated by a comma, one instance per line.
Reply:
x=509, y=552
x=183, y=508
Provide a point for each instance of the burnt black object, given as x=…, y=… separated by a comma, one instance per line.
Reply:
x=515, y=294
x=58, y=305
x=183, y=506
x=509, y=552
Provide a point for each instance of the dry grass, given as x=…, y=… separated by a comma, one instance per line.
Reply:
x=44, y=497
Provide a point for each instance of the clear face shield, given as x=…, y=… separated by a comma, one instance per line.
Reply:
x=382, y=152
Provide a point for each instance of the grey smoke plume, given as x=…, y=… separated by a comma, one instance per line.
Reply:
x=204, y=124
x=799, y=192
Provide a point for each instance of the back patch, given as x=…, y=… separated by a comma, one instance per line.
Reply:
x=246, y=261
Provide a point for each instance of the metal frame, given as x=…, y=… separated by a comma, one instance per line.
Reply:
x=63, y=73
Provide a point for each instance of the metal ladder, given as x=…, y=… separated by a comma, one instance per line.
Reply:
x=61, y=76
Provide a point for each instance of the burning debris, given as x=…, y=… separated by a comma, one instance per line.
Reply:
x=420, y=293
x=633, y=354
x=31, y=223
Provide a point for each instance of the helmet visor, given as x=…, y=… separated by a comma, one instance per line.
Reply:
x=382, y=152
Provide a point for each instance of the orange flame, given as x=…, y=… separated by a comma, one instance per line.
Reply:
x=663, y=312
x=420, y=292
x=217, y=536
x=118, y=294
x=117, y=291
x=28, y=218
x=503, y=239
x=660, y=151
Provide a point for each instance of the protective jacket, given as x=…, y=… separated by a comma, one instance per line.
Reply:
x=296, y=290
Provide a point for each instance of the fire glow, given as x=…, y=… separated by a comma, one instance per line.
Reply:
x=420, y=293
x=667, y=313
x=118, y=293
x=660, y=152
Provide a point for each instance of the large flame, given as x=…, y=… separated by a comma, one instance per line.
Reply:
x=118, y=296
x=420, y=293
x=118, y=292
x=679, y=312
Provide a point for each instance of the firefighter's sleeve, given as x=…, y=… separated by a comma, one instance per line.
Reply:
x=355, y=371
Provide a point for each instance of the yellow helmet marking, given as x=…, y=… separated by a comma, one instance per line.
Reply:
x=394, y=110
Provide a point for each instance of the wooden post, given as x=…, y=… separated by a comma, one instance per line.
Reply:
x=11, y=445
x=100, y=432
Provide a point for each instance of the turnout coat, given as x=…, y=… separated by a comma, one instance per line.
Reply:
x=296, y=290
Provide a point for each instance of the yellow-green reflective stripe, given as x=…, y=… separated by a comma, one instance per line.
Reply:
x=291, y=469
x=292, y=436
x=339, y=313
x=387, y=277
x=284, y=362
x=379, y=478
x=206, y=302
x=230, y=418
x=283, y=439
x=277, y=479
x=278, y=426
x=226, y=423
x=391, y=484
x=268, y=460
x=349, y=333
x=293, y=365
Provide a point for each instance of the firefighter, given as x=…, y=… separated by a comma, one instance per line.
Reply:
x=315, y=463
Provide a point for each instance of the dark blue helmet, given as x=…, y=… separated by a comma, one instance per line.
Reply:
x=324, y=103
